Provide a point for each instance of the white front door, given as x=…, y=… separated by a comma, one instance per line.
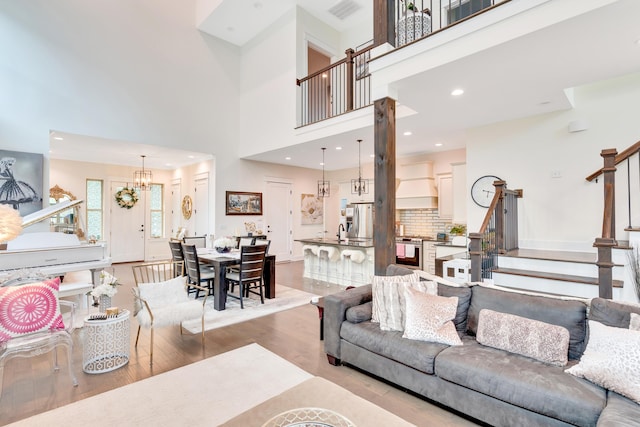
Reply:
x=278, y=215
x=127, y=236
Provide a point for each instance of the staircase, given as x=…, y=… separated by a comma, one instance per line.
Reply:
x=557, y=272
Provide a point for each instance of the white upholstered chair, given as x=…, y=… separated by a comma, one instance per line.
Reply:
x=161, y=298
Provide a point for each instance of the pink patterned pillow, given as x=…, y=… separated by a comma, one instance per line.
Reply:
x=29, y=308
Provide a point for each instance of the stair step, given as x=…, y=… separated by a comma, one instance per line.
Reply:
x=562, y=256
x=553, y=276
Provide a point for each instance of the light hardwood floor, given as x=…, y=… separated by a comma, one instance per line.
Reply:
x=31, y=387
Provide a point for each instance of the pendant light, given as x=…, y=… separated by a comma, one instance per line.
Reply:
x=323, y=186
x=142, y=178
x=359, y=186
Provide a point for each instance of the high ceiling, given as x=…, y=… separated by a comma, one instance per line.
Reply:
x=526, y=76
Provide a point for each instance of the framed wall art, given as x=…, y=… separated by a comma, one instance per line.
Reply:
x=311, y=209
x=21, y=181
x=243, y=203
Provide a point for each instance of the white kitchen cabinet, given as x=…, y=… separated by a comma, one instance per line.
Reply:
x=445, y=195
x=459, y=193
x=429, y=256
x=345, y=193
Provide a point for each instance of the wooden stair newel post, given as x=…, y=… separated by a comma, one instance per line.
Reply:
x=384, y=234
x=608, y=239
x=475, y=252
x=349, y=80
x=499, y=213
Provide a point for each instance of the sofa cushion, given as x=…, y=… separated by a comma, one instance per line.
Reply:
x=568, y=313
x=464, y=299
x=387, y=304
x=611, y=360
x=429, y=318
x=619, y=411
x=419, y=355
x=521, y=381
x=612, y=313
x=532, y=338
x=359, y=313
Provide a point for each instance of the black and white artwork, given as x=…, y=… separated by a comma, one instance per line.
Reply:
x=21, y=181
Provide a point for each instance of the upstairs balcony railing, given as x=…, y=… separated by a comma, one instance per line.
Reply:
x=345, y=85
x=337, y=89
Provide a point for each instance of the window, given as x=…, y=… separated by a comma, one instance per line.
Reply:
x=464, y=8
x=95, y=214
x=156, y=210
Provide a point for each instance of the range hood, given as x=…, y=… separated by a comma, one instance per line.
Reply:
x=415, y=187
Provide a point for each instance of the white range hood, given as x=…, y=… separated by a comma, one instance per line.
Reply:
x=415, y=187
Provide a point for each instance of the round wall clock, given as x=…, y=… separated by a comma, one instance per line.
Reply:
x=482, y=190
x=187, y=207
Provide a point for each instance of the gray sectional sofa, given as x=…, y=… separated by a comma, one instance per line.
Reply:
x=490, y=385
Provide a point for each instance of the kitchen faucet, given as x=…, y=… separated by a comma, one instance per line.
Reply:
x=340, y=227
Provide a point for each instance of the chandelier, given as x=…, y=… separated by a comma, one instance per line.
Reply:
x=142, y=178
x=359, y=186
x=323, y=186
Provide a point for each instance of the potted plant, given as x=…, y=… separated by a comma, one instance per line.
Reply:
x=458, y=230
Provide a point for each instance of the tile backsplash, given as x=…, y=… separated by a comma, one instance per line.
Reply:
x=423, y=222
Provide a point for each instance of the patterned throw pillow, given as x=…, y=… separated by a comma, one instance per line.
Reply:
x=29, y=308
x=378, y=290
x=611, y=360
x=391, y=302
x=538, y=340
x=429, y=318
x=634, y=324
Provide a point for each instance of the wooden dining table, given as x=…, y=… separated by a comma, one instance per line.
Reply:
x=220, y=262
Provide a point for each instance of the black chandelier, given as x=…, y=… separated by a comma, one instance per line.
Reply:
x=323, y=186
x=359, y=186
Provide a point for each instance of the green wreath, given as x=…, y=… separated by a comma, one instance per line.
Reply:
x=127, y=198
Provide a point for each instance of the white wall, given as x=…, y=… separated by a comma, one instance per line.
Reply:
x=563, y=212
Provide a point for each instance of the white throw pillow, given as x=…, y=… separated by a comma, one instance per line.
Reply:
x=532, y=338
x=378, y=290
x=429, y=318
x=392, y=304
x=634, y=324
x=611, y=360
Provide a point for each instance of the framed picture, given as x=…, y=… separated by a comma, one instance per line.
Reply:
x=243, y=203
x=21, y=181
x=311, y=209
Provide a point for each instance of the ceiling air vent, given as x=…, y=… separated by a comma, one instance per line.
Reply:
x=344, y=8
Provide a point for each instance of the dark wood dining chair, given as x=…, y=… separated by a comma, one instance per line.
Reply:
x=248, y=277
x=197, y=273
x=198, y=241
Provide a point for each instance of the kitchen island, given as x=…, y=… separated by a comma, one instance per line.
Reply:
x=347, y=262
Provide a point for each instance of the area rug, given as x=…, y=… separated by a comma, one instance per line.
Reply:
x=285, y=299
x=205, y=393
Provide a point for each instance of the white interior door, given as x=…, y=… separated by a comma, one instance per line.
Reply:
x=127, y=235
x=278, y=215
x=201, y=206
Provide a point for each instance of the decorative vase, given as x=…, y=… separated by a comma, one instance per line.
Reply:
x=223, y=250
x=105, y=302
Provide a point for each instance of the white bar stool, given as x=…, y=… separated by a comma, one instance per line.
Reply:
x=310, y=253
x=358, y=258
x=327, y=257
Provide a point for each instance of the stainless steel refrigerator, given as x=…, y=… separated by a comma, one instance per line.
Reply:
x=360, y=220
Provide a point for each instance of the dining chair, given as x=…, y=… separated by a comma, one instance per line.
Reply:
x=198, y=241
x=176, y=252
x=248, y=277
x=160, y=299
x=32, y=322
x=264, y=242
x=196, y=272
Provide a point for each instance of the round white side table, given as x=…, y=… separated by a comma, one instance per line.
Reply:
x=106, y=344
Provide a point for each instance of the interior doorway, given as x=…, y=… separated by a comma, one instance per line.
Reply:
x=126, y=227
x=319, y=106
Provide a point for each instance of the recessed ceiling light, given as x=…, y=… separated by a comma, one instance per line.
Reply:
x=372, y=155
x=321, y=163
x=287, y=158
x=167, y=164
x=191, y=156
x=59, y=138
x=338, y=148
x=407, y=133
x=457, y=92
x=438, y=144
x=324, y=75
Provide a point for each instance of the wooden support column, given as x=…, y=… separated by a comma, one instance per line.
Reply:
x=349, y=80
x=384, y=234
x=384, y=22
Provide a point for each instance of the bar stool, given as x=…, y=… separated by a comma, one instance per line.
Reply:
x=310, y=253
x=345, y=263
x=359, y=258
x=327, y=257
